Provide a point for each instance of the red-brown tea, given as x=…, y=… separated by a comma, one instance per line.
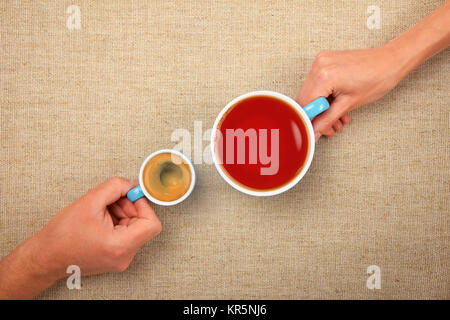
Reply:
x=263, y=143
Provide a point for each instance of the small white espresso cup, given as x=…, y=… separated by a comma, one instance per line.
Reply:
x=140, y=190
x=306, y=114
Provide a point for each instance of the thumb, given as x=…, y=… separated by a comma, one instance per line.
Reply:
x=111, y=190
x=313, y=89
x=322, y=124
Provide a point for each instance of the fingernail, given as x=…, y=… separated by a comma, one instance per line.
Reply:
x=134, y=181
x=317, y=135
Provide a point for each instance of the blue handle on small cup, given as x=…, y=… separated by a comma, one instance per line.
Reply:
x=135, y=194
x=316, y=107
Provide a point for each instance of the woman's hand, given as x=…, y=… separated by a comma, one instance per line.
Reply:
x=353, y=78
x=350, y=79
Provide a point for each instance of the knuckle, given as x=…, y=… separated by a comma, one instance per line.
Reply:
x=157, y=227
x=119, y=251
x=327, y=123
x=89, y=193
x=115, y=250
x=115, y=180
x=350, y=106
x=321, y=57
x=122, y=266
x=89, y=198
x=108, y=250
x=324, y=74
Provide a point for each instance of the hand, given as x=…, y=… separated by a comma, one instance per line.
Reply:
x=100, y=232
x=349, y=79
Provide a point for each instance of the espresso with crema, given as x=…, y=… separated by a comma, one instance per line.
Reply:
x=167, y=177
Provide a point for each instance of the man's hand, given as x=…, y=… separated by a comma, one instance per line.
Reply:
x=100, y=232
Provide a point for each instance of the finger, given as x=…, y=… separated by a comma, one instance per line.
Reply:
x=147, y=225
x=141, y=231
x=142, y=228
x=337, y=126
x=116, y=211
x=324, y=121
x=317, y=136
x=112, y=190
x=114, y=219
x=128, y=207
x=345, y=119
x=329, y=132
x=308, y=94
x=127, y=221
x=144, y=210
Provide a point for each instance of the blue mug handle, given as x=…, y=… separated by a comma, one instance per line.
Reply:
x=316, y=107
x=135, y=194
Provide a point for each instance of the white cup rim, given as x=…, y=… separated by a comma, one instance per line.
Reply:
x=191, y=186
x=311, y=140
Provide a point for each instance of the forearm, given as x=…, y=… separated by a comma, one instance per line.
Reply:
x=23, y=274
x=424, y=40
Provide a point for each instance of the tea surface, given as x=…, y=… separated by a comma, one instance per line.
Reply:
x=286, y=136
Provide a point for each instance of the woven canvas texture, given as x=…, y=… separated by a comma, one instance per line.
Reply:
x=80, y=106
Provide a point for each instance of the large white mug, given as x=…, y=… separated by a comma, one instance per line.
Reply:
x=306, y=114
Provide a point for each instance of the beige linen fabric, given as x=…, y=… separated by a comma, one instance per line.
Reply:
x=79, y=106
